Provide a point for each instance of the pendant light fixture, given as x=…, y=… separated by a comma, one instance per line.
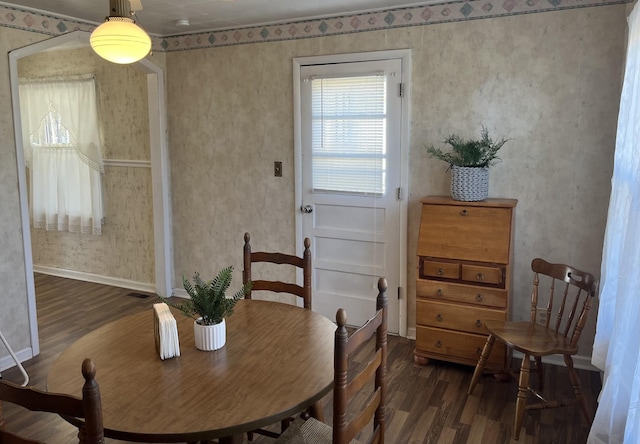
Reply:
x=119, y=39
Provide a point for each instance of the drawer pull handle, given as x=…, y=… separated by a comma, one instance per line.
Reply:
x=478, y=297
x=439, y=317
x=440, y=271
x=478, y=323
x=439, y=344
x=439, y=292
x=463, y=213
x=478, y=351
x=480, y=277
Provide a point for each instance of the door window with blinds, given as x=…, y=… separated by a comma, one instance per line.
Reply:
x=348, y=134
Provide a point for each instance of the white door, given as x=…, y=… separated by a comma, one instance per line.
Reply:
x=350, y=185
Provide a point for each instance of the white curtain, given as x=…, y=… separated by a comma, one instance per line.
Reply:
x=63, y=153
x=617, y=343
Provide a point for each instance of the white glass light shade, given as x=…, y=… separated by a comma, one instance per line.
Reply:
x=119, y=40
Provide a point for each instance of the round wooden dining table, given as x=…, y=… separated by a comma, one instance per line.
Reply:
x=277, y=361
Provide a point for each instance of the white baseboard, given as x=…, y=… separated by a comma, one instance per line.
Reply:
x=95, y=278
x=8, y=362
x=411, y=333
x=180, y=293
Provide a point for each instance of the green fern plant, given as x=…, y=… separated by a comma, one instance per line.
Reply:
x=209, y=304
x=480, y=153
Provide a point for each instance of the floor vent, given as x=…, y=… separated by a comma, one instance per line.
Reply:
x=139, y=295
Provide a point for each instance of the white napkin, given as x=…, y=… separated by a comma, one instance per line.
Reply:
x=167, y=331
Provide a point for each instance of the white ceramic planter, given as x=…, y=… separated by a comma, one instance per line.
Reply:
x=210, y=337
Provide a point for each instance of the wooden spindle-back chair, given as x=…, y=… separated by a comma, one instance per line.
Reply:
x=570, y=293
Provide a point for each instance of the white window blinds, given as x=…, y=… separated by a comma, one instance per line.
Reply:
x=349, y=134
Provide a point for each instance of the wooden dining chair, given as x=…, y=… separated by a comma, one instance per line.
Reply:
x=348, y=388
x=557, y=336
x=301, y=291
x=88, y=408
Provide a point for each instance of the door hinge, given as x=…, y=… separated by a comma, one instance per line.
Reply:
x=399, y=193
x=401, y=89
x=399, y=292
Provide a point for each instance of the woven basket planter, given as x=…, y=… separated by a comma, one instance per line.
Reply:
x=469, y=184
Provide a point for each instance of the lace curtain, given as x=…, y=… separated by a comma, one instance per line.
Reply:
x=63, y=153
x=617, y=346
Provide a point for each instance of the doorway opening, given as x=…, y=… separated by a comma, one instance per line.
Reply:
x=163, y=259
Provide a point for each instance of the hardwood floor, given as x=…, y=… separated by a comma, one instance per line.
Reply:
x=425, y=404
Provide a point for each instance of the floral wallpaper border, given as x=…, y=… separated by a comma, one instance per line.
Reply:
x=387, y=19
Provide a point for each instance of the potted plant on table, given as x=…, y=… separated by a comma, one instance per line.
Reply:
x=209, y=306
x=469, y=161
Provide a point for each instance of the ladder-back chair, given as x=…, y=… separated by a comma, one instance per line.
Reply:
x=87, y=408
x=302, y=291
x=347, y=388
x=559, y=334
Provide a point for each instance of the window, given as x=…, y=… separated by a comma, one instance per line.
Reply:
x=63, y=153
x=349, y=134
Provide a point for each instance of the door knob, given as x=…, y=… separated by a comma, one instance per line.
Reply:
x=307, y=209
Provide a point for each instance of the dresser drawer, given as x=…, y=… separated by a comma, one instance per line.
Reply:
x=483, y=274
x=468, y=294
x=434, y=268
x=455, y=317
x=465, y=346
x=464, y=232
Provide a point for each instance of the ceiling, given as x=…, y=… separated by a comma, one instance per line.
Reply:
x=160, y=16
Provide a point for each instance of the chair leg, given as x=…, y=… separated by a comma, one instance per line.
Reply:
x=577, y=388
x=540, y=373
x=486, y=351
x=523, y=389
x=316, y=411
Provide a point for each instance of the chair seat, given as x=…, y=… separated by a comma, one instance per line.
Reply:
x=310, y=431
x=534, y=340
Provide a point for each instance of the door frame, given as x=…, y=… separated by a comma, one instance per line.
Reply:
x=159, y=173
x=405, y=56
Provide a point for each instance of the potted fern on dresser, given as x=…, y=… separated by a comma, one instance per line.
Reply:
x=469, y=161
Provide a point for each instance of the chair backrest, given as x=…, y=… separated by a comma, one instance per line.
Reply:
x=303, y=262
x=89, y=407
x=572, y=300
x=345, y=390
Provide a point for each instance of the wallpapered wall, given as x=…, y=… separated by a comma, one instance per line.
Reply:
x=548, y=81
x=124, y=119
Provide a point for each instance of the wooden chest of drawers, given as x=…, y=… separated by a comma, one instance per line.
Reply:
x=465, y=252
